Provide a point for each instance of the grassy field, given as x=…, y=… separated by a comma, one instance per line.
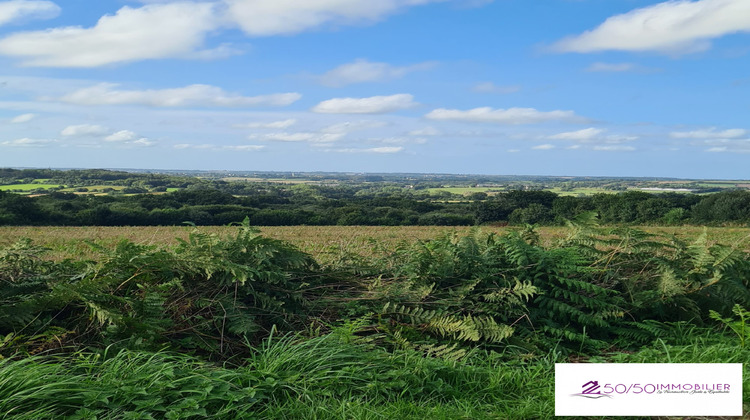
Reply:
x=322, y=242
x=27, y=187
x=95, y=188
x=462, y=190
x=272, y=180
x=575, y=192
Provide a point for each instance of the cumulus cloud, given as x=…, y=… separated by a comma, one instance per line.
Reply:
x=581, y=135
x=122, y=136
x=380, y=150
x=22, y=118
x=489, y=87
x=718, y=149
x=243, y=148
x=675, y=27
x=595, y=138
x=14, y=10
x=143, y=142
x=179, y=29
x=614, y=148
x=269, y=125
x=214, y=147
x=709, y=133
x=281, y=17
x=310, y=137
x=611, y=67
x=361, y=71
x=427, y=131
x=503, y=116
x=731, y=146
x=352, y=126
x=85, y=130
x=150, y=32
x=544, y=147
x=724, y=145
x=27, y=142
x=398, y=140
x=371, y=105
x=105, y=134
x=600, y=67
x=192, y=95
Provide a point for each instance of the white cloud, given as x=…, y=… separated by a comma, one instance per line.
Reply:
x=544, y=147
x=709, y=133
x=718, y=149
x=150, y=32
x=371, y=105
x=381, y=150
x=427, y=131
x=489, y=87
x=27, y=142
x=600, y=67
x=399, y=140
x=22, y=118
x=594, y=136
x=121, y=136
x=192, y=95
x=102, y=133
x=513, y=150
x=581, y=135
x=21, y=9
x=503, y=116
x=85, y=130
x=244, y=148
x=277, y=17
x=323, y=137
x=614, y=148
x=611, y=67
x=618, y=138
x=725, y=145
x=361, y=71
x=273, y=124
x=677, y=26
x=233, y=148
x=144, y=142
x=299, y=137
x=352, y=126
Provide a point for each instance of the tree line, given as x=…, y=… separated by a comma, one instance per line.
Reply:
x=350, y=205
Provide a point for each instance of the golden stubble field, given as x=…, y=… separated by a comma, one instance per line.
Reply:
x=320, y=241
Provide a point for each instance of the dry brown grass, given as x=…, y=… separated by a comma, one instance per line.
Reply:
x=320, y=241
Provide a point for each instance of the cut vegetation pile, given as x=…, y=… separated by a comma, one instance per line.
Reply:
x=458, y=326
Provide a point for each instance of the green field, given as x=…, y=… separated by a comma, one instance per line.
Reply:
x=95, y=188
x=462, y=190
x=575, y=192
x=27, y=187
x=323, y=242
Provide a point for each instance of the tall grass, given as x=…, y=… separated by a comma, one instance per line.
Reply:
x=324, y=377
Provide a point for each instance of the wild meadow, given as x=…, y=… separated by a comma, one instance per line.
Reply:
x=351, y=322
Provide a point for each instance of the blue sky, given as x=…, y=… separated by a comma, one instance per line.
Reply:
x=515, y=87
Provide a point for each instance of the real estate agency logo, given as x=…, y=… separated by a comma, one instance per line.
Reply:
x=592, y=389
